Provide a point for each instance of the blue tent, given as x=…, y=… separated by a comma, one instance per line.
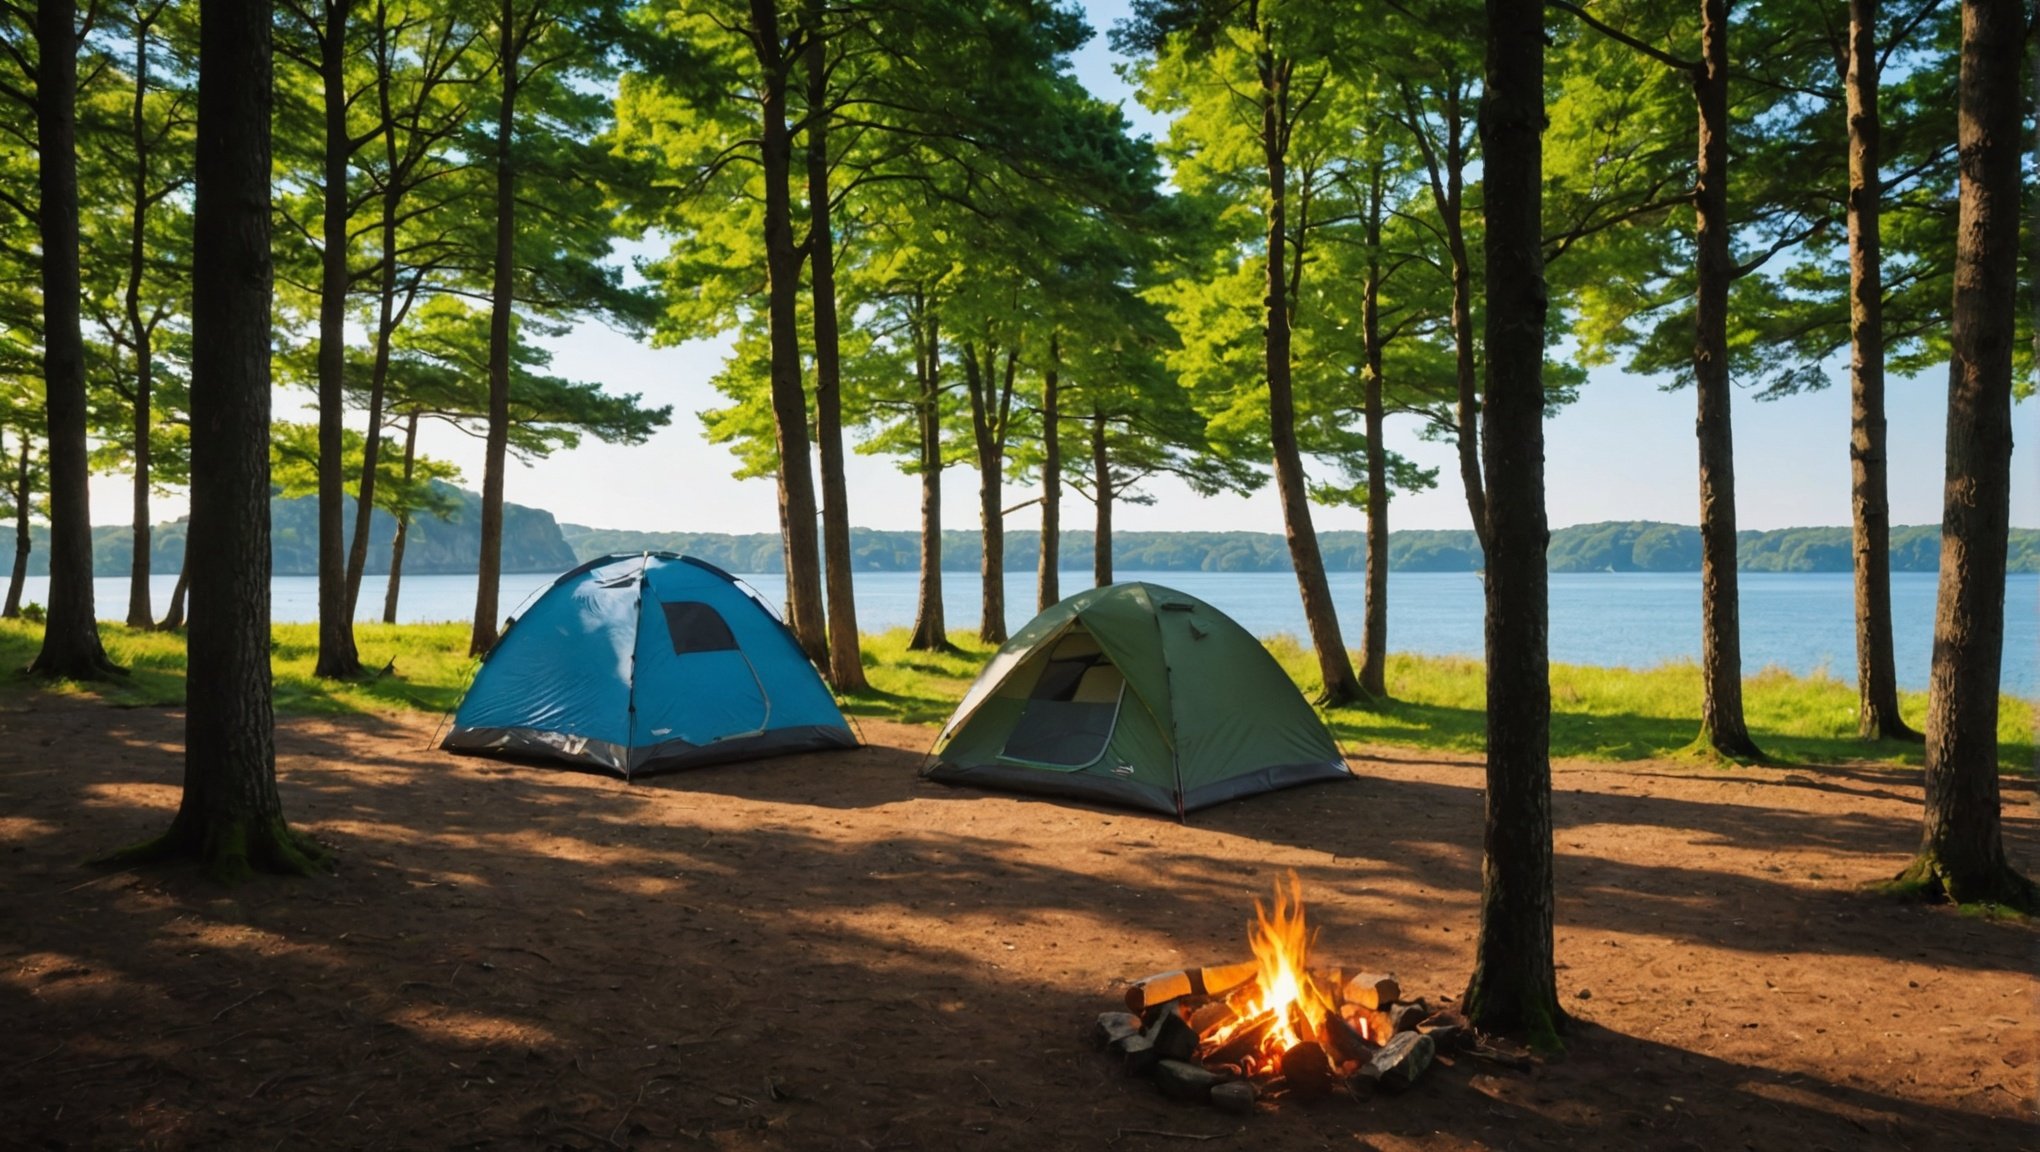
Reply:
x=645, y=663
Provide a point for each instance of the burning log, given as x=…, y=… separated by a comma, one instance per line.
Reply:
x=1341, y=1037
x=1162, y=987
x=1400, y=1061
x=1243, y=1043
x=1374, y=1024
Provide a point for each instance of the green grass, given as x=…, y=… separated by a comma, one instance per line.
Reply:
x=1637, y=714
x=431, y=670
x=1611, y=714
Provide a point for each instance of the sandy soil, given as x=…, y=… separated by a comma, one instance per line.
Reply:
x=825, y=952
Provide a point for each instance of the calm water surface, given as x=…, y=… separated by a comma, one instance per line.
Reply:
x=1799, y=621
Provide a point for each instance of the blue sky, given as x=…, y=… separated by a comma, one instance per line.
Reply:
x=1625, y=451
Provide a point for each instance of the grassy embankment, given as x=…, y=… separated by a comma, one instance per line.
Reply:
x=1597, y=713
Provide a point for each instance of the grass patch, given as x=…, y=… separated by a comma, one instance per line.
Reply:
x=1638, y=714
x=431, y=667
x=1611, y=714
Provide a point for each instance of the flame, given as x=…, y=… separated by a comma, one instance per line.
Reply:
x=1285, y=993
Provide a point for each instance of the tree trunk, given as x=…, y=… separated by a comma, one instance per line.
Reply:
x=789, y=402
x=1721, y=709
x=338, y=658
x=70, y=648
x=1335, y=664
x=385, y=325
x=24, y=540
x=1374, y=630
x=846, y=657
x=931, y=631
x=1101, y=490
x=389, y=604
x=173, y=617
x=988, y=415
x=1877, y=716
x=502, y=300
x=1514, y=987
x=1047, y=582
x=231, y=817
x=1467, y=408
x=1962, y=851
x=140, y=613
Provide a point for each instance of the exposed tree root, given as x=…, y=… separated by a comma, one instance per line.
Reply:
x=1537, y=1020
x=1928, y=877
x=230, y=850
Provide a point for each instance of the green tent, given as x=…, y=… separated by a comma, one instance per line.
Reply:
x=1140, y=695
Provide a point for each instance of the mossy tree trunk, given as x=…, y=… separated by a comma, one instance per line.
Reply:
x=231, y=817
x=1514, y=986
x=1962, y=851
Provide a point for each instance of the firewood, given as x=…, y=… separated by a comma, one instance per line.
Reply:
x=1210, y=1016
x=1137, y=1055
x=1372, y=990
x=1400, y=1061
x=1211, y=981
x=1172, y=1036
x=1343, y=1038
x=1405, y=1018
x=1241, y=1043
x=1308, y=1072
x=1375, y=1024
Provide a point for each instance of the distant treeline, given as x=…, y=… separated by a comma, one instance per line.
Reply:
x=531, y=542
x=1637, y=546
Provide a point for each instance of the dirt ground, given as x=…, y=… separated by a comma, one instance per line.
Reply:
x=825, y=952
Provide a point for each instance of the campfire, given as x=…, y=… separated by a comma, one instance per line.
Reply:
x=1275, y=1026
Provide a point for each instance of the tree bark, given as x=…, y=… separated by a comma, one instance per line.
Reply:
x=1962, y=852
x=140, y=613
x=1047, y=582
x=1102, y=495
x=846, y=657
x=931, y=631
x=24, y=539
x=990, y=406
x=789, y=402
x=1721, y=710
x=502, y=301
x=70, y=647
x=1335, y=664
x=396, y=580
x=231, y=817
x=338, y=658
x=1514, y=987
x=173, y=617
x=1877, y=714
x=386, y=322
x=1374, y=629
x=1466, y=370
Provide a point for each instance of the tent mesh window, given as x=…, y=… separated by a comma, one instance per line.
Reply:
x=1071, y=712
x=696, y=627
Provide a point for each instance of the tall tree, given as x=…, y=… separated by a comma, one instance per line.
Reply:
x=1514, y=986
x=1279, y=74
x=1047, y=584
x=1962, y=853
x=71, y=647
x=231, y=816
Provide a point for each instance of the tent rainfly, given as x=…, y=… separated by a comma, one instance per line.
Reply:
x=1139, y=695
x=645, y=663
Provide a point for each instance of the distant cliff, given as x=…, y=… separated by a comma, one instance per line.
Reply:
x=1614, y=546
x=531, y=541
